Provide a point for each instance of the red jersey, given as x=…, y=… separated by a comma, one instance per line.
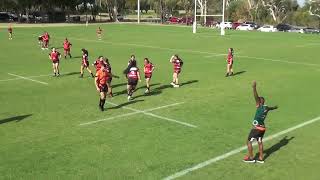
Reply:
x=66, y=45
x=177, y=64
x=46, y=37
x=10, y=29
x=54, y=56
x=98, y=64
x=148, y=68
x=230, y=58
x=102, y=77
x=133, y=73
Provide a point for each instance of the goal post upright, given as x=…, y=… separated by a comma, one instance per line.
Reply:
x=204, y=14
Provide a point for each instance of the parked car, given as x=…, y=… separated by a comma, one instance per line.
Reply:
x=226, y=25
x=174, y=20
x=186, y=20
x=283, y=27
x=310, y=31
x=245, y=27
x=255, y=26
x=296, y=30
x=120, y=17
x=5, y=17
x=235, y=25
x=267, y=28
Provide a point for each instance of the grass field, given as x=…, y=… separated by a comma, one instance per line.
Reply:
x=41, y=136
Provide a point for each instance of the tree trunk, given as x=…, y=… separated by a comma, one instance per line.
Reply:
x=115, y=13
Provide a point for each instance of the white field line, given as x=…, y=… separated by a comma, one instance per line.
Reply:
x=26, y=78
x=157, y=116
x=210, y=54
x=278, y=60
x=19, y=78
x=236, y=151
x=129, y=114
x=309, y=44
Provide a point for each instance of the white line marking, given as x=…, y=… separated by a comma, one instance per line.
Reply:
x=157, y=116
x=44, y=83
x=210, y=54
x=19, y=78
x=236, y=151
x=278, y=60
x=129, y=114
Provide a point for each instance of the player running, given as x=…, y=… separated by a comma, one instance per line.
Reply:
x=85, y=63
x=101, y=85
x=10, y=30
x=67, y=48
x=40, y=40
x=229, y=62
x=133, y=76
x=45, y=40
x=258, y=130
x=99, y=33
x=177, y=65
x=148, y=70
x=55, y=57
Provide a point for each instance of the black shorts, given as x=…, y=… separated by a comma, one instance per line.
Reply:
x=132, y=82
x=256, y=134
x=103, y=88
x=55, y=62
x=147, y=76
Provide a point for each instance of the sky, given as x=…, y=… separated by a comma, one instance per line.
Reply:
x=301, y=2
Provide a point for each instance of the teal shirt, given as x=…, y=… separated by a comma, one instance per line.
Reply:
x=261, y=115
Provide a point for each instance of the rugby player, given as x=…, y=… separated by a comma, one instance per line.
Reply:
x=258, y=129
x=55, y=58
x=109, y=79
x=177, y=65
x=229, y=62
x=99, y=33
x=99, y=62
x=10, y=30
x=148, y=70
x=85, y=63
x=133, y=76
x=45, y=40
x=67, y=48
x=101, y=85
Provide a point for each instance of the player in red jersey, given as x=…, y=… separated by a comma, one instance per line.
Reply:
x=85, y=63
x=133, y=76
x=177, y=65
x=99, y=33
x=101, y=85
x=45, y=40
x=229, y=62
x=148, y=70
x=55, y=57
x=99, y=62
x=67, y=48
x=10, y=30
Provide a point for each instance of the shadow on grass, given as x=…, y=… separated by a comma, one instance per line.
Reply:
x=70, y=74
x=15, y=118
x=125, y=104
x=239, y=73
x=276, y=147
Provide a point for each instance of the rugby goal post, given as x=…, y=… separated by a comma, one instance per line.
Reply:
x=203, y=7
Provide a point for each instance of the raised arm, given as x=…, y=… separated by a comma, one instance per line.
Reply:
x=255, y=93
x=171, y=59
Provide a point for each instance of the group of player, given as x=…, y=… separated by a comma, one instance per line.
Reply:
x=103, y=79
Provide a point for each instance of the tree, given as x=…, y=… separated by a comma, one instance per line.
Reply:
x=277, y=8
x=314, y=9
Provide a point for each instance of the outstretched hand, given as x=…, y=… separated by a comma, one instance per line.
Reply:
x=254, y=84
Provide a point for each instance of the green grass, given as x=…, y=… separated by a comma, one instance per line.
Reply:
x=48, y=143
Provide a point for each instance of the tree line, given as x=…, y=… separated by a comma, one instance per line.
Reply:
x=260, y=11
